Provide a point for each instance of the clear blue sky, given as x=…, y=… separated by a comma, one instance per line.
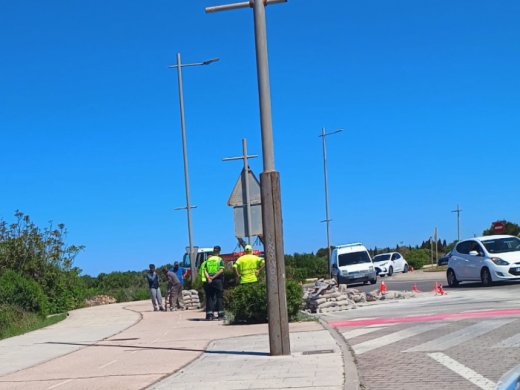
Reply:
x=428, y=94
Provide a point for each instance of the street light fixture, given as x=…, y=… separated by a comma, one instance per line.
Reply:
x=327, y=219
x=188, y=207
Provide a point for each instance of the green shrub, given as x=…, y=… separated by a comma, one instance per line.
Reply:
x=141, y=294
x=25, y=293
x=13, y=318
x=417, y=258
x=248, y=303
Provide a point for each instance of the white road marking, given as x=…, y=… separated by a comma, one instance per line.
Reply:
x=383, y=325
x=167, y=333
x=59, y=384
x=476, y=311
x=155, y=341
x=379, y=342
x=108, y=364
x=364, y=319
x=511, y=342
x=460, y=336
x=463, y=371
x=134, y=352
x=358, y=332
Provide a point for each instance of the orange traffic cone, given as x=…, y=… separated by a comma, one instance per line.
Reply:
x=415, y=289
x=412, y=271
x=435, y=289
x=441, y=290
x=383, y=287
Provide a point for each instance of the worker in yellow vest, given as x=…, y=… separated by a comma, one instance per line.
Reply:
x=248, y=267
x=214, y=273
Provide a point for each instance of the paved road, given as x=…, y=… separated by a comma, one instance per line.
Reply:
x=465, y=340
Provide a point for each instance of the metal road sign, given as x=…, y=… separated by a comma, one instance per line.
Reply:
x=238, y=197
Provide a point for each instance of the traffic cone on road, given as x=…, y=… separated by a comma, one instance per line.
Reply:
x=383, y=287
x=412, y=271
x=441, y=290
x=415, y=289
x=435, y=289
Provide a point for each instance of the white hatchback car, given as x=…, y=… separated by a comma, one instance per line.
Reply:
x=388, y=263
x=487, y=259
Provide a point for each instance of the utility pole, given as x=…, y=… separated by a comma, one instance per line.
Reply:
x=431, y=250
x=245, y=178
x=436, y=246
x=279, y=341
x=458, y=221
x=188, y=207
x=327, y=219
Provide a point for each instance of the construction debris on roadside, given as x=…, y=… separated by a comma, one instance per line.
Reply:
x=100, y=300
x=191, y=299
x=326, y=297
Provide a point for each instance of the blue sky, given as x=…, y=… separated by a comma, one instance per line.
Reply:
x=428, y=94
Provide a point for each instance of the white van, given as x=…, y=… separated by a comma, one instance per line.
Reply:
x=351, y=263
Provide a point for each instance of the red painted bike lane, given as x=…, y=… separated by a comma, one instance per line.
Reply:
x=431, y=318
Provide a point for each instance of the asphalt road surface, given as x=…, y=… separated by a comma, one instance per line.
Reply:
x=429, y=285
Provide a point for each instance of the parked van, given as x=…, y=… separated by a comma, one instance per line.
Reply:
x=351, y=263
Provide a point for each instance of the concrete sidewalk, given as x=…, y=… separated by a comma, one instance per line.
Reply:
x=81, y=328
x=244, y=363
x=163, y=344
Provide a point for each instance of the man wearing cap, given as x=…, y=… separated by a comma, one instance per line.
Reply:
x=174, y=287
x=248, y=267
x=155, y=291
x=213, y=270
x=180, y=272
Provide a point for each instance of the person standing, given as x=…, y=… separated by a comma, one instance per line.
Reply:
x=155, y=291
x=214, y=272
x=181, y=273
x=174, y=286
x=248, y=267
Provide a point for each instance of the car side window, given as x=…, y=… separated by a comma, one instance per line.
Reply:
x=475, y=246
x=397, y=256
x=394, y=257
x=463, y=247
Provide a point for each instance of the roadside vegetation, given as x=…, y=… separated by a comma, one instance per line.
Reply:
x=38, y=277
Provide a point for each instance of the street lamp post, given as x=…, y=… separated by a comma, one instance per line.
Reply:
x=245, y=157
x=279, y=341
x=458, y=221
x=327, y=219
x=188, y=207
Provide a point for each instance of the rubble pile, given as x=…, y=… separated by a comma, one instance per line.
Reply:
x=100, y=300
x=191, y=299
x=326, y=297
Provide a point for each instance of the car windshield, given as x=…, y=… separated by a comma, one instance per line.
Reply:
x=353, y=258
x=502, y=245
x=185, y=261
x=381, y=258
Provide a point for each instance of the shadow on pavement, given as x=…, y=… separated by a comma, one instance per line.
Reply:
x=164, y=349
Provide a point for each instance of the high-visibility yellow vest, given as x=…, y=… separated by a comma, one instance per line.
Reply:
x=247, y=266
x=201, y=272
x=214, y=264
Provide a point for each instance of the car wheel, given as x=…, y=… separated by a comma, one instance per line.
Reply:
x=452, y=279
x=373, y=281
x=405, y=268
x=485, y=276
x=390, y=271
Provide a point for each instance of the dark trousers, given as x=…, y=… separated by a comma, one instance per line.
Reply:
x=215, y=297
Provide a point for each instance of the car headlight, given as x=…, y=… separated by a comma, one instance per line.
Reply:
x=499, y=261
x=382, y=264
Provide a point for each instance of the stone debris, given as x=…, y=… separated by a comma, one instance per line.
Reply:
x=191, y=299
x=326, y=297
x=100, y=300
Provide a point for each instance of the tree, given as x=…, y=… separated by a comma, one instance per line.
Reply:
x=510, y=228
x=417, y=258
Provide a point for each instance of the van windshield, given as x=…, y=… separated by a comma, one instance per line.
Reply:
x=353, y=258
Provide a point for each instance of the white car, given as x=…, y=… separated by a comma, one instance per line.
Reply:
x=486, y=259
x=351, y=263
x=388, y=263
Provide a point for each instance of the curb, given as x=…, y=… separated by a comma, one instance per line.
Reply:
x=349, y=362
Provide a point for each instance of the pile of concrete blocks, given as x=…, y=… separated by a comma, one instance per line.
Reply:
x=326, y=297
x=100, y=300
x=191, y=299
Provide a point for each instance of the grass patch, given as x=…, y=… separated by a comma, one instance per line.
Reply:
x=441, y=268
x=15, y=322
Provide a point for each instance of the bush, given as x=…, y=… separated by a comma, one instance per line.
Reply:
x=141, y=294
x=248, y=303
x=25, y=293
x=417, y=258
x=13, y=318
